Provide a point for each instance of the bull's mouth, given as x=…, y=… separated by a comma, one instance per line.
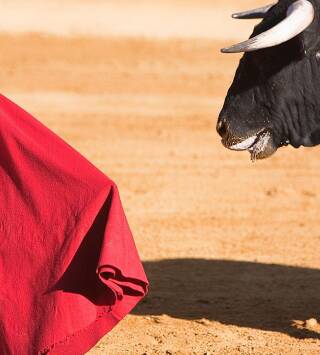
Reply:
x=259, y=146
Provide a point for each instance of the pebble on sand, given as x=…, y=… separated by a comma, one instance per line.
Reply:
x=311, y=323
x=203, y=321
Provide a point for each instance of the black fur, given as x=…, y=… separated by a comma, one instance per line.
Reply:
x=277, y=89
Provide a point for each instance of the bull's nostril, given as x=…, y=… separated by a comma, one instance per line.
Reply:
x=222, y=127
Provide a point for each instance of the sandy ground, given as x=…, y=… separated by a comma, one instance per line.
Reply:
x=230, y=247
x=146, y=18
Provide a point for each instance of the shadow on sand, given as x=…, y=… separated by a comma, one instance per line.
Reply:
x=261, y=296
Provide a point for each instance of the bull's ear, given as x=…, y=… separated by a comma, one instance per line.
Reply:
x=253, y=14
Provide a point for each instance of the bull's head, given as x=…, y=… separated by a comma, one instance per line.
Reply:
x=274, y=99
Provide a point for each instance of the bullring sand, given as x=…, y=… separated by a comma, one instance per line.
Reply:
x=230, y=247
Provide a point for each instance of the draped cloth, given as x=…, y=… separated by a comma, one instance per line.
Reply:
x=69, y=268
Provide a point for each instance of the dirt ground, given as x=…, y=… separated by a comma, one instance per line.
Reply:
x=231, y=248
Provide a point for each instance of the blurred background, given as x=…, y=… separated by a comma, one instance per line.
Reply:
x=231, y=248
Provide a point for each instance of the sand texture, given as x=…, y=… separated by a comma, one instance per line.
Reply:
x=231, y=248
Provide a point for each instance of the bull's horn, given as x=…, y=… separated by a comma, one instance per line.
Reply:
x=299, y=16
x=252, y=14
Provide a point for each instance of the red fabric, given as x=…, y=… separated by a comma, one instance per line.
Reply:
x=69, y=268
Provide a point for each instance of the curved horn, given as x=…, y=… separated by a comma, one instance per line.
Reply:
x=253, y=14
x=299, y=16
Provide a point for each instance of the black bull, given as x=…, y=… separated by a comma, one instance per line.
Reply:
x=274, y=99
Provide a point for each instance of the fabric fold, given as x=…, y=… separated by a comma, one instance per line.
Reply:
x=69, y=267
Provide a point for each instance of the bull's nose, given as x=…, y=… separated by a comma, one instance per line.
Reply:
x=222, y=127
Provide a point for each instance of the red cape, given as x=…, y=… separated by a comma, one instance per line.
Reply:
x=69, y=268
